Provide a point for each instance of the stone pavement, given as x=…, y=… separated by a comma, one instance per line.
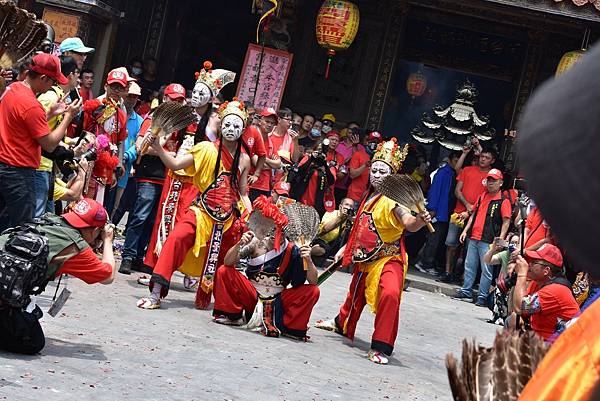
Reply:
x=102, y=347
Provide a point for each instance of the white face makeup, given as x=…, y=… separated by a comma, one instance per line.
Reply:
x=232, y=127
x=379, y=170
x=200, y=95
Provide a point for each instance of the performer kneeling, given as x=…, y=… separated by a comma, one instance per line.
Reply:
x=376, y=246
x=273, y=291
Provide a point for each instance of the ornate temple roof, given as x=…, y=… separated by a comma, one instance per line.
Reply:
x=451, y=126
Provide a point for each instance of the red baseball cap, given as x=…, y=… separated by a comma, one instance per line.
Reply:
x=269, y=112
x=548, y=253
x=86, y=213
x=282, y=188
x=49, y=65
x=175, y=91
x=374, y=136
x=495, y=174
x=117, y=76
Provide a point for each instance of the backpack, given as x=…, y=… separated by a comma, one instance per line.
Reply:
x=23, y=265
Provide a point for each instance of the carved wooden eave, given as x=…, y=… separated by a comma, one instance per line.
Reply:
x=565, y=8
x=91, y=7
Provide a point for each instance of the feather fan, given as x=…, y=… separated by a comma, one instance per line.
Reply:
x=405, y=191
x=167, y=118
x=498, y=373
x=20, y=34
x=303, y=224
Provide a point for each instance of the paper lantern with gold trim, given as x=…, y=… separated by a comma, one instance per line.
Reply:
x=416, y=84
x=337, y=25
x=568, y=60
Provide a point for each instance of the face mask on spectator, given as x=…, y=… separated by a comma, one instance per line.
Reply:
x=315, y=133
x=326, y=129
x=136, y=71
x=371, y=148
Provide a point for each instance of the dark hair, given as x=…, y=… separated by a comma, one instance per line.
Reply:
x=309, y=115
x=491, y=151
x=68, y=65
x=149, y=58
x=353, y=122
x=201, y=128
x=455, y=154
x=284, y=113
x=136, y=60
x=24, y=65
x=234, y=165
x=296, y=114
x=87, y=71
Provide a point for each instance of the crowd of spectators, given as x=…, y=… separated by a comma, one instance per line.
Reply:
x=53, y=129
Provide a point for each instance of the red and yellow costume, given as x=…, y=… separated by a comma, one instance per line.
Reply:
x=187, y=246
x=275, y=279
x=376, y=246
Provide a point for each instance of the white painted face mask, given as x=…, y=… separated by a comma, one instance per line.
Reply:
x=200, y=95
x=232, y=127
x=379, y=170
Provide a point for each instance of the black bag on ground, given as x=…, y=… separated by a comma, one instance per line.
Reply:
x=23, y=265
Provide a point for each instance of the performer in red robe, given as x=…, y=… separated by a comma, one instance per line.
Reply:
x=376, y=247
x=195, y=241
x=272, y=265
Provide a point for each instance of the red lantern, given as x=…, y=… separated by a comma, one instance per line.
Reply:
x=337, y=24
x=416, y=84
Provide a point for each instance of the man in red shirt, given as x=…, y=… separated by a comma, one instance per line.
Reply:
x=254, y=145
x=359, y=167
x=150, y=177
x=24, y=132
x=313, y=183
x=71, y=238
x=470, y=184
x=263, y=184
x=547, y=301
x=490, y=219
x=285, y=140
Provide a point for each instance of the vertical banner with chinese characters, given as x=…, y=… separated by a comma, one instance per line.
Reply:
x=271, y=79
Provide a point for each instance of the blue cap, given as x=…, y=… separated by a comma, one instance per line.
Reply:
x=74, y=45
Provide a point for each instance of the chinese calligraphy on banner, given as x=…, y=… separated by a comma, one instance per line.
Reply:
x=64, y=25
x=271, y=80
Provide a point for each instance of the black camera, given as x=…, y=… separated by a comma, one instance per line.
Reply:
x=90, y=155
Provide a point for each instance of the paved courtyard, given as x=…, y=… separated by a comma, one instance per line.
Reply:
x=101, y=347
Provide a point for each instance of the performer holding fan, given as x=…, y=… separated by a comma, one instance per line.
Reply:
x=220, y=172
x=272, y=263
x=376, y=246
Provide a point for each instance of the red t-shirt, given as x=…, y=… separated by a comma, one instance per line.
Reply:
x=538, y=230
x=90, y=123
x=87, y=267
x=472, y=178
x=22, y=122
x=482, y=211
x=254, y=141
x=555, y=302
x=309, y=197
x=284, y=147
x=359, y=185
x=264, y=180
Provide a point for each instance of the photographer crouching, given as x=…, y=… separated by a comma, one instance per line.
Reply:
x=312, y=182
x=34, y=253
x=333, y=232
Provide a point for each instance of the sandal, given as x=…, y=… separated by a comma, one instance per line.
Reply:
x=377, y=357
x=328, y=325
x=144, y=280
x=148, y=303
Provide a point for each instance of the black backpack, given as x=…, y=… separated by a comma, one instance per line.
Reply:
x=23, y=265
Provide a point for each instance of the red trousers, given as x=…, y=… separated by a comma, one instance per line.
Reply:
x=234, y=294
x=388, y=310
x=179, y=242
